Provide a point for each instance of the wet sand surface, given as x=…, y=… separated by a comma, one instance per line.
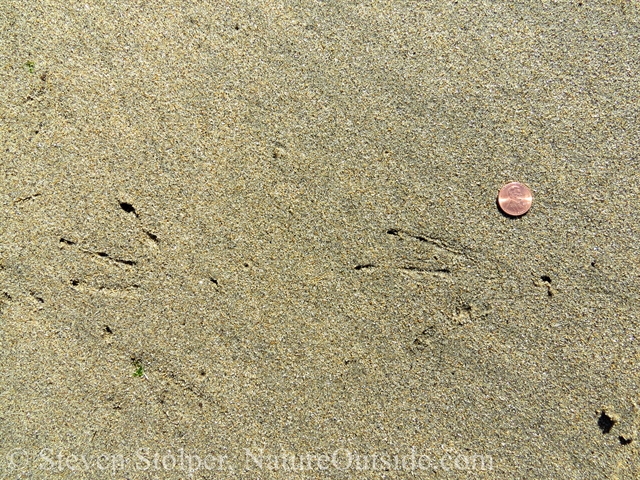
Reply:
x=265, y=235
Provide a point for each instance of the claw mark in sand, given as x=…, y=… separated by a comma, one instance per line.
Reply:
x=413, y=268
x=104, y=255
x=107, y=256
x=431, y=240
x=127, y=207
x=364, y=265
x=116, y=290
x=26, y=199
x=409, y=268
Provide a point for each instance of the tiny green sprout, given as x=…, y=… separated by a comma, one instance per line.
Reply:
x=30, y=65
x=139, y=370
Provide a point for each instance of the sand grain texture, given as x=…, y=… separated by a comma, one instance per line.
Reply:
x=281, y=215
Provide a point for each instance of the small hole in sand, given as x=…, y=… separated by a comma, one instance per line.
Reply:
x=605, y=422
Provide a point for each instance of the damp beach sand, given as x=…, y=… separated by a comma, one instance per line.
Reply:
x=260, y=239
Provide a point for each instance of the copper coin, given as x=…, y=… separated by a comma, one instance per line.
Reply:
x=515, y=199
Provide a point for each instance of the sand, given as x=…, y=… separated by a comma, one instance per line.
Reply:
x=259, y=239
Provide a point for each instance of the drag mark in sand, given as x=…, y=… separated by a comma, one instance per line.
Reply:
x=99, y=254
x=438, y=261
x=114, y=289
x=426, y=239
x=129, y=208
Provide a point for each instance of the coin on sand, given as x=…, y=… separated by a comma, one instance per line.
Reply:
x=515, y=199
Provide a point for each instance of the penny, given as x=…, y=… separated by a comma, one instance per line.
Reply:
x=515, y=199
